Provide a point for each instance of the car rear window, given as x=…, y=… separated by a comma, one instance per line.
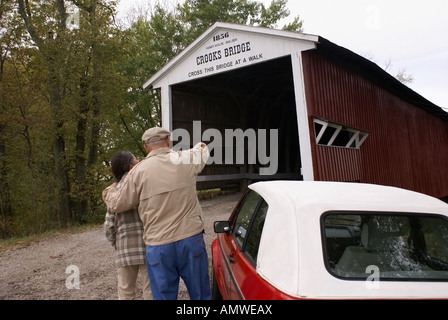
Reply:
x=392, y=246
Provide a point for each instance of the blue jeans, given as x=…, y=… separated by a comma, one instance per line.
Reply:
x=186, y=259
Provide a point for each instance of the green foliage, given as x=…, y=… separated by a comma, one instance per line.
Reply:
x=198, y=15
x=72, y=96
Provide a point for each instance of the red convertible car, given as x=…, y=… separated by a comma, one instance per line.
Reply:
x=331, y=240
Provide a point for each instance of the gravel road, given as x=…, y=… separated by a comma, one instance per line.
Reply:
x=46, y=269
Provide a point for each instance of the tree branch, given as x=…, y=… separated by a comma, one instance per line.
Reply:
x=25, y=13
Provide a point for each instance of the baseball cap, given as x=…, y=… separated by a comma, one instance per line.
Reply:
x=154, y=134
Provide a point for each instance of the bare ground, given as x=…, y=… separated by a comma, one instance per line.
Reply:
x=45, y=269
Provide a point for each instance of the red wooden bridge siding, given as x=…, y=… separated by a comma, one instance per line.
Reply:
x=407, y=146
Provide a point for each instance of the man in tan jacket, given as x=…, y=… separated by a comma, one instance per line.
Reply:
x=163, y=187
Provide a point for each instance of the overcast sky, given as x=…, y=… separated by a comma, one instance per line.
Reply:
x=409, y=34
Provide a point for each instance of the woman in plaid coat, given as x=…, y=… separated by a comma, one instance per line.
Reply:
x=125, y=232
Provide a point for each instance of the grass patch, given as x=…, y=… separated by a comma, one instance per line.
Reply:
x=208, y=193
x=15, y=243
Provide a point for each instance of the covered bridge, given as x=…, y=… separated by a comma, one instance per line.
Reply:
x=318, y=112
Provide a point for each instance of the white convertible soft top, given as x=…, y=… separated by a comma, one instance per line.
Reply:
x=290, y=255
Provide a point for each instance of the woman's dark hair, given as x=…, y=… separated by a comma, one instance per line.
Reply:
x=120, y=163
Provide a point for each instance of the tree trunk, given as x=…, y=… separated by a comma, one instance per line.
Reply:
x=79, y=188
x=63, y=181
x=5, y=196
x=54, y=85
